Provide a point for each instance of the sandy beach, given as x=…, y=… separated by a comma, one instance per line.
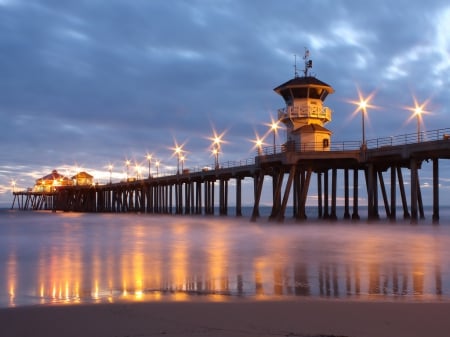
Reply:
x=232, y=318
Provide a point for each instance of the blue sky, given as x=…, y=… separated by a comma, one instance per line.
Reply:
x=85, y=84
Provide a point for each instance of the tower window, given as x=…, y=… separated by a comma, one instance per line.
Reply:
x=315, y=92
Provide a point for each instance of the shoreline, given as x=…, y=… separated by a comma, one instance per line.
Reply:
x=235, y=318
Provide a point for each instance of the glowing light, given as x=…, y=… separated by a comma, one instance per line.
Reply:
x=418, y=110
x=149, y=158
x=258, y=144
x=274, y=126
x=363, y=103
x=13, y=184
x=178, y=151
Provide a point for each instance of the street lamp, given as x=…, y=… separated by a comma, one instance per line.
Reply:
x=110, y=167
x=138, y=170
x=157, y=167
x=362, y=106
x=182, y=159
x=13, y=184
x=274, y=127
x=127, y=164
x=215, y=153
x=149, y=158
x=216, y=141
x=418, y=112
x=178, y=153
x=259, y=142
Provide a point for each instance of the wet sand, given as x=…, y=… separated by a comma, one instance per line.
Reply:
x=237, y=317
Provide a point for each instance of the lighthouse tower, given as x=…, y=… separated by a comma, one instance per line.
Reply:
x=304, y=114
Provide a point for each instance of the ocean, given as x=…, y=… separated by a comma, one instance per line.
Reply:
x=70, y=258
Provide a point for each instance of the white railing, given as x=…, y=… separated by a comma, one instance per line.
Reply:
x=305, y=111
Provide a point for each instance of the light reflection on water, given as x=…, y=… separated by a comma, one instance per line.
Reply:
x=84, y=258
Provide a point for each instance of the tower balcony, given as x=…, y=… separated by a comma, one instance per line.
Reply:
x=305, y=111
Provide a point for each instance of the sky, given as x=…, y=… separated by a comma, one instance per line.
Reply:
x=85, y=84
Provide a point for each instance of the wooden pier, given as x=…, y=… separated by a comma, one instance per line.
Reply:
x=291, y=171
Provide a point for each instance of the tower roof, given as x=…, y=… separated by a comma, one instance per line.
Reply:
x=303, y=82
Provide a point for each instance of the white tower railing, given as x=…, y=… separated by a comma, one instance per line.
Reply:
x=308, y=111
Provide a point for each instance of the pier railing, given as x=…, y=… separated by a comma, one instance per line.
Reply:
x=410, y=138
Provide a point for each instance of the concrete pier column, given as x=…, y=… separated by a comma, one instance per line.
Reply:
x=319, y=195
x=393, y=215
x=419, y=199
x=333, y=215
x=370, y=192
x=303, y=195
x=346, y=195
x=296, y=195
x=414, y=214
x=187, y=198
x=436, y=190
x=239, y=196
x=258, y=181
x=401, y=185
x=326, y=215
x=206, y=196
x=170, y=195
x=355, y=214
x=277, y=183
x=221, y=196
x=384, y=194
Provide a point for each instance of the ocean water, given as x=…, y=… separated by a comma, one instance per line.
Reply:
x=86, y=258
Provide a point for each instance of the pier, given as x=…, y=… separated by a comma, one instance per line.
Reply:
x=290, y=170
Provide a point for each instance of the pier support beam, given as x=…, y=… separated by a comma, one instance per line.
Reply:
x=303, y=194
x=286, y=193
x=346, y=195
x=384, y=194
x=326, y=215
x=258, y=180
x=436, y=190
x=393, y=209
x=414, y=181
x=239, y=196
x=355, y=215
x=333, y=215
x=401, y=185
x=277, y=183
x=319, y=195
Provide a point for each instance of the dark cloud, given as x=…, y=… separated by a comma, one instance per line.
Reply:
x=101, y=81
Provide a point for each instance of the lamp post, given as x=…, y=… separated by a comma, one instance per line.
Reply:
x=110, y=167
x=138, y=171
x=418, y=112
x=216, y=147
x=274, y=127
x=127, y=164
x=215, y=153
x=157, y=167
x=149, y=158
x=13, y=184
x=363, y=108
x=178, y=153
x=182, y=159
x=258, y=144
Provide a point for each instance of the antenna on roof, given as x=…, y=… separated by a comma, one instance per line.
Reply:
x=295, y=66
x=308, y=62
